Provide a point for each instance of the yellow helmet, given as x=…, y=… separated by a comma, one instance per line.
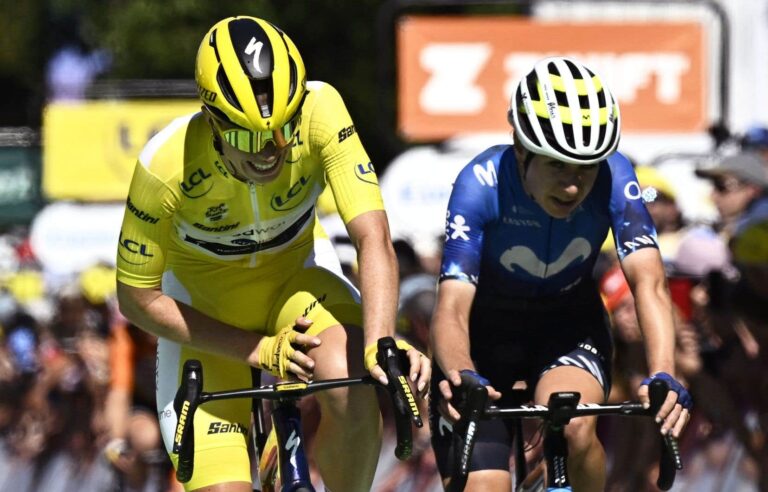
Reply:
x=250, y=73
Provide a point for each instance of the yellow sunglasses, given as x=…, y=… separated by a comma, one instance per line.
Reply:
x=254, y=141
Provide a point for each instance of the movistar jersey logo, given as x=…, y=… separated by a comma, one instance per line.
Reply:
x=523, y=257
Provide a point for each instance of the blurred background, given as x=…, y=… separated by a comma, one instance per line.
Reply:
x=85, y=83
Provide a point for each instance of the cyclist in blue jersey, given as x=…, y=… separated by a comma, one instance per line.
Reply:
x=517, y=301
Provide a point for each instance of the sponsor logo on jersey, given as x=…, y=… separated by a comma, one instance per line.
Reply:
x=459, y=228
x=485, y=175
x=221, y=168
x=345, y=133
x=142, y=215
x=366, y=173
x=313, y=304
x=261, y=230
x=296, y=148
x=133, y=252
x=523, y=257
x=224, y=427
x=286, y=201
x=521, y=222
x=221, y=228
x=195, y=185
x=632, y=191
x=638, y=242
x=217, y=212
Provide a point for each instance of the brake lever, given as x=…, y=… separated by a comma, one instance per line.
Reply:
x=670, y=460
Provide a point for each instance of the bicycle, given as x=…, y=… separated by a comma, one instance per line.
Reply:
x=290, y=471
x=471, y=400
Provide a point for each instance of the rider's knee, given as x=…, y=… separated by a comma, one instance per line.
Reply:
x=581, y=435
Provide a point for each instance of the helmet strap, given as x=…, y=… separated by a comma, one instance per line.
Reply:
x=523, y=170
x=217, y=144
x=527, y=162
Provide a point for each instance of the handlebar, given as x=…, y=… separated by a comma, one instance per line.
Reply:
x=471, y=402
x=190, y=396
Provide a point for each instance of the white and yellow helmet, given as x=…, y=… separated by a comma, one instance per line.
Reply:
x=563, y=110
x=250, y=73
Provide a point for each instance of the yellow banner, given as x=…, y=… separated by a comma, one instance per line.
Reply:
x=90, y=148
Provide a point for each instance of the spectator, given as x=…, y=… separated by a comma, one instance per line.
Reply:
x=667, y=216
x=739, y=185
x=756, y=139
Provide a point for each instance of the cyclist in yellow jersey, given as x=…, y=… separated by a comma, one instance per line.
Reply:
x=222, y=257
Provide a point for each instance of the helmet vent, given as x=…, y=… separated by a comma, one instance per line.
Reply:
x=262, y=89
x=569, y=138
x=293, y=77
x=212, y=44
x=533, y=91
x=574, y=70
x=226, y=88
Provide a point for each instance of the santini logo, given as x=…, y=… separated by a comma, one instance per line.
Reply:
x=142, y=215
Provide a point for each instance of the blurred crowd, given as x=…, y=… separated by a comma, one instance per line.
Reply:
x=77, y=407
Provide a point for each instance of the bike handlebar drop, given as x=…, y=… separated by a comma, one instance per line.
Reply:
x=190, y=396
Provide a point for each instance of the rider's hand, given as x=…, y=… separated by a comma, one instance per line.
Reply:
x=420, y=366
x=278, y=354
x=674, y=414
x=453, y=380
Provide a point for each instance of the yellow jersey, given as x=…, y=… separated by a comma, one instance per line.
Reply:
x=186, y=212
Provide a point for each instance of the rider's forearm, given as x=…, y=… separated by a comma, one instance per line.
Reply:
x=654, y=313
x=378, y=286
x=449, y=338
x=164, y=317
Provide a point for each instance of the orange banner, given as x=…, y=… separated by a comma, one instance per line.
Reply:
x=455, y=75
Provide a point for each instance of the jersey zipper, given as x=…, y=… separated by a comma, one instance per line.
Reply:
x=255, y=208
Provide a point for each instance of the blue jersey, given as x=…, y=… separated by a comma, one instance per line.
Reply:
x=501, y=240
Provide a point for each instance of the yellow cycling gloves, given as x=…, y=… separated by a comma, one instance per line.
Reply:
x=275, y=352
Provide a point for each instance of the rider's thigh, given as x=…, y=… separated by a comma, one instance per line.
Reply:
x=320, y=295
x=569, y=378
x=489, y=481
